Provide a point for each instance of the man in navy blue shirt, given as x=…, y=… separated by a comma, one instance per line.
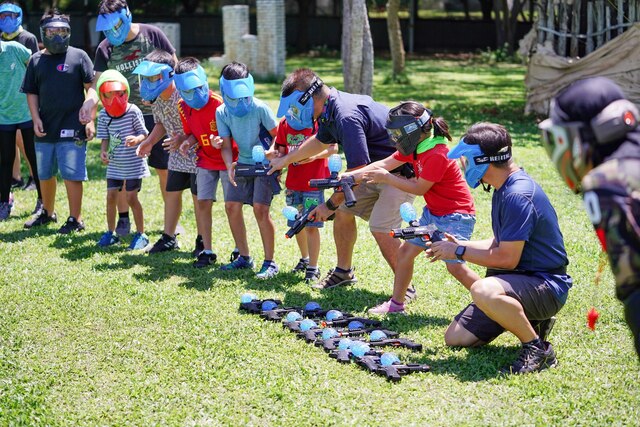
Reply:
x=526, y=282
x=357, y=123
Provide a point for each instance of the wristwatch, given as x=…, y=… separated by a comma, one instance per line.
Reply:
x=330, y=205
x=460, y=250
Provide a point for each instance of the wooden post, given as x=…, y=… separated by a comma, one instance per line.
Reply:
x=575, y=28
x=599, y=23
x=563, y=17
x=550, y=21
x=607, y=23
x=589, y=28
x=542, y=13
x=621, y=15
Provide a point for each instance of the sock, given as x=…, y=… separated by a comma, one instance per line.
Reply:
x=208, y=251
x=123, y=214
x=270, y=261
x=343, y=271
x=537, y=343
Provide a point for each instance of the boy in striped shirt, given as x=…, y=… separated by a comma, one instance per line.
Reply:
x=121, y=127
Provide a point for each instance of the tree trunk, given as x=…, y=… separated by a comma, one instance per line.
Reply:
x=303, y=25
x=506, y=18
x=357, y=48
x=486, y=6
x=396, y=44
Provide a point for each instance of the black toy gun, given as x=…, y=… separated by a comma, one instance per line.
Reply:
x=332, y=343
x=249, y=303
x=259, y=169
x=426, y=232
x=388, y=365
x=289, y=314
x=345, y=184
x=306, y=324
x=300, y=220
x=345, y=355
x=317, y=335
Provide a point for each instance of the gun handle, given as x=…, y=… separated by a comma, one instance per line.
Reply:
x=343, y=356
x=329, y=344
x=349, y=197
x=392, y=373
x=406, y=343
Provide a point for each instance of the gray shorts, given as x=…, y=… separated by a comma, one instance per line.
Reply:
x=532, y=291
x=250, y=190
x=207, y=183
x=379, y=204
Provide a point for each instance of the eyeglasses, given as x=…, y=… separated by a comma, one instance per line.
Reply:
x=8, y=15
x=52, y=32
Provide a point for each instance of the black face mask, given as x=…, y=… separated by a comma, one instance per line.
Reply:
x=57, y=44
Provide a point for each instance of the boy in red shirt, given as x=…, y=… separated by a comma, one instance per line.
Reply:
x=449, y=202
x=301, y=196
x=198, y=115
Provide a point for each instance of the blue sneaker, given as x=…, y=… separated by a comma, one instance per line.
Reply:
x=268, y=270
x=108, y=239
x=238, y=264
x=139, y=241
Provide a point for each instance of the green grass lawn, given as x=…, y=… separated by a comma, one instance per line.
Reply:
x=109, y=337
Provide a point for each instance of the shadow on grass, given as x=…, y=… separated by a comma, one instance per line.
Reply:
x=20, y=235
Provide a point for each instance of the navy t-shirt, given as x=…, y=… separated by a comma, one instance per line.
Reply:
x=59, y=81
x=26, y=39
x=357, y=123
x=521, y=211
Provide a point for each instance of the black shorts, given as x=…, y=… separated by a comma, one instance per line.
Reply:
x=179, y=181
x=159, y=157
x=130, y=184
x=16, y=126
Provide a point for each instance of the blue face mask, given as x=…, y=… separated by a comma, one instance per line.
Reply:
x=298, y=107
x=115, y=26
x=193, y=87
x=238, y=95
x=154, y=79
x=11, y=23
x=473, y=172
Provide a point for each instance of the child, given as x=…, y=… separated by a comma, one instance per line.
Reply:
x=240, y=118
x=55, y=83
x=120, y=127
x=157, y=86
x=198, y=114
x=300, y=195
x=421, y=140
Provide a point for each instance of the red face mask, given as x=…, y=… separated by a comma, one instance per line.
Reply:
x=114, y=98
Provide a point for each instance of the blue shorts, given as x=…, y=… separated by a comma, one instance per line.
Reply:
x=302, y=200
x=458, y=225
x=67, y=156
x=250, y=190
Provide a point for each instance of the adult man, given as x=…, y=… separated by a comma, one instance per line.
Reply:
x=592, y=125
x=526, y=281
x=123, y=49
x=357, y=123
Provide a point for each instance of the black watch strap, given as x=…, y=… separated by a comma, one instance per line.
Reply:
x=460, y=250
x=330, y=205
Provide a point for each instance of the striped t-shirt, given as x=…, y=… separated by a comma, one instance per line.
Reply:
x=123, y=161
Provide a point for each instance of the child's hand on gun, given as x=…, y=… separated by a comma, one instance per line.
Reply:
x=132, y=141
x=104, y=156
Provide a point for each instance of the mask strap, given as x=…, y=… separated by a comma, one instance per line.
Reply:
x=304, y=98
x=484, y=159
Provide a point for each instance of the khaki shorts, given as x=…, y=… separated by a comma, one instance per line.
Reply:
x=379, y=204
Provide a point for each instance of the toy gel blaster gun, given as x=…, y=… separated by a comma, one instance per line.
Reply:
x=425, y=232
x=345, y=184
x=253, y=305
x=389, y=366
x=289, y=314
x=300, y=220
x=301, y=326
x=377, y=338
x=259, y=169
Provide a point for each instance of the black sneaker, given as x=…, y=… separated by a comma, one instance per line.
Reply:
x=543, y=329
x=199, y=246
x=204, y=259
x=301, y=266
x=532, y=359
x=41, y=218
x=334, y=279
x=17, y=183
x=164, y=244
x=71, y=224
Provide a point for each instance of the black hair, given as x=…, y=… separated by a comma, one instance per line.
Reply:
x=301, y=79
x=160, y=56
x=186, y=64
x=412, y=108
x=53, y=13
x=491, y=137
x=235, y=71
x=111, y=6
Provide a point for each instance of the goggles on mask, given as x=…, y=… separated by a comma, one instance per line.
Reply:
x=238, y=95
x=55, y=33
x=296, y=107
x=115, y=25
x=153, y=79
x=114, y=97
x=405, y=131
x=10, y=18
x=474, y=163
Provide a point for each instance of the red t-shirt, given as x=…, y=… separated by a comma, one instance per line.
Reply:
x=449, y=192
x=202, y=125
x=298, y=176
